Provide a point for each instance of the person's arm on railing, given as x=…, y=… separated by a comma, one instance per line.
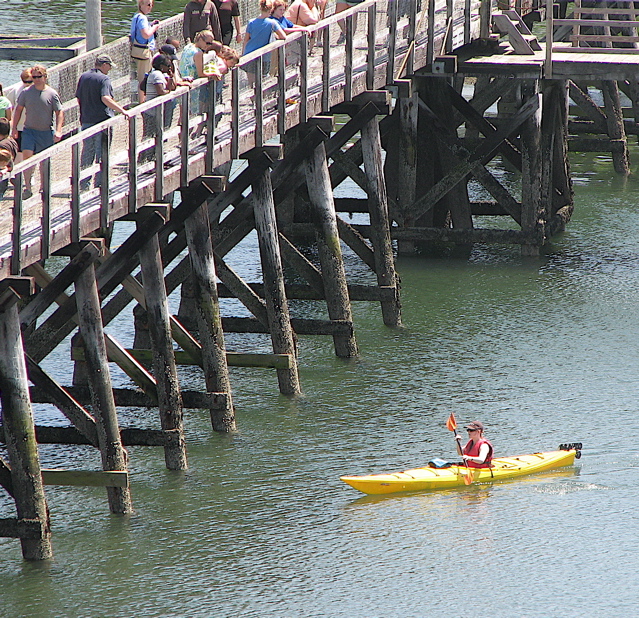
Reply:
x=114, y=105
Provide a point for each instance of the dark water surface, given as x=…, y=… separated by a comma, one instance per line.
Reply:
x=543, y=350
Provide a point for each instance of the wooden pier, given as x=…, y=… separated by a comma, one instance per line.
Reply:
x=417, y=82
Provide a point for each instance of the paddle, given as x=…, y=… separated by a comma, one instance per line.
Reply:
x=451, y=424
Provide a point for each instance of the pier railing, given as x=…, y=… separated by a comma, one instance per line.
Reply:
x=170, y=140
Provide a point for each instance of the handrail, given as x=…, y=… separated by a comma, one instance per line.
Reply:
x=193, y=143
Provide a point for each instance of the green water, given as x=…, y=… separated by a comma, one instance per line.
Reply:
x=543, y=351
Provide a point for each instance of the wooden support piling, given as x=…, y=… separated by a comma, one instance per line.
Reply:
x=26, y=476
x=279, y=319
x=407, y=161
x=164, y=366
x=114, y=457
x=216, y=374
x=380, y=223
x=531, y=169
x=614, y=121
x=330, y=251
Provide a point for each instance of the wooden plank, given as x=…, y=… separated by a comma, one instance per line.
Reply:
x=35, y=54
x=598, y=22
x=233, y=359
x=85, y=478
x=22, y=528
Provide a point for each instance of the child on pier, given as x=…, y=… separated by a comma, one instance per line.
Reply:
x=258, y=34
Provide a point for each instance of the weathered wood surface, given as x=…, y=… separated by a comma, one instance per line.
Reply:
x=19, y=430
x=69, y=213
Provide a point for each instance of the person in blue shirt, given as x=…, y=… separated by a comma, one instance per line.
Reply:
x=258, y=34
x=142, y=37
x=293, y=50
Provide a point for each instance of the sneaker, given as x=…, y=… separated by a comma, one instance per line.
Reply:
x=26, y=194
x=341, y=39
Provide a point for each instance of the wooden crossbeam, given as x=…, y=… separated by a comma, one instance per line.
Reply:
x=483, y=125
x=22, y=528
x=64, y=401
x=421, y=206
x=5, y=476
x=233, y=359
x=86, y=478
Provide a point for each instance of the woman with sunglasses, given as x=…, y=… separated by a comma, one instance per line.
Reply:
x=478, y=452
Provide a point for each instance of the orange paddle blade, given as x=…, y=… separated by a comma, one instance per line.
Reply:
x=451, y=423
x=468, y=477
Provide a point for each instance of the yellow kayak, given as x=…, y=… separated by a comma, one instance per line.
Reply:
x=429, y=478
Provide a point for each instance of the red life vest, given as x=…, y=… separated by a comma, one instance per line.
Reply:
x=472, y=449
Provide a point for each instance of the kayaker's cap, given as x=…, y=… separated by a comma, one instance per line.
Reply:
x=475, y=425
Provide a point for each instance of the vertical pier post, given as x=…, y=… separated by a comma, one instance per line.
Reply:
x=616, y=129
x=216, y=373
x=407, y=158
x=330, y=251
x=531, y=168
x=90, y=321
x=276, y=303
x=380, y=224
x=562, y=178
x=19, y=430
x=164, y=365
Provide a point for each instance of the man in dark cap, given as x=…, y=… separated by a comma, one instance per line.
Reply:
x=95, y=97
x=478, y=452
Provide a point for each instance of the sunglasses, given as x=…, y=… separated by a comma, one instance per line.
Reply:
x=27, y=81
x=471, y=430
x=37, y=76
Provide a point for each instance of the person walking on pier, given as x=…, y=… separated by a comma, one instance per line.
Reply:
x=25, y=82
x=44, y=119
x=143, y=38
x=229, y=13
x=8, y=152
x=95, y=98
x=201, y=15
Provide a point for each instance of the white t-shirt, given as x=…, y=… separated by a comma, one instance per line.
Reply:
x=155, y=77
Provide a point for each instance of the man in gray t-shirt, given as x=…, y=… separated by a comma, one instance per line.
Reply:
x=44, y=119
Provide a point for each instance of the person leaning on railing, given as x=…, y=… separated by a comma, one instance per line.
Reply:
x=95, y=98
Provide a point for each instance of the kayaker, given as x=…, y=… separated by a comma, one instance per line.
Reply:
x=478, y=452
